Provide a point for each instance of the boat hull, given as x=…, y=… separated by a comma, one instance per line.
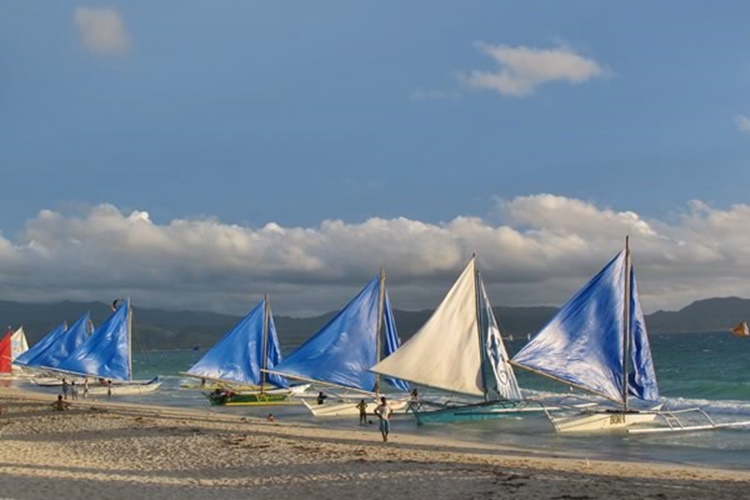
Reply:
x=492, y=410
x=257, y=398
x=349, y=408
x=248, y=399
x=603, y=420
x=124, y=388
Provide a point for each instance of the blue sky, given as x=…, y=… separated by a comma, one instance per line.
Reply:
x=295, y=113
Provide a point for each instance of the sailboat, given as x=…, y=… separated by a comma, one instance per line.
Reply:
x=107, y=356
x=238, y=361
x=598, y=342
x=741, y=330
x=341, y=352
x=459, y=350
x=12, y=345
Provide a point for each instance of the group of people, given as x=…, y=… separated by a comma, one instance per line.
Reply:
x=71, y=389
x=383, y=411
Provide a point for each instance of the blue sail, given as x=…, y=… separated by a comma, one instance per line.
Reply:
x=106, y=353
x=65, y=344
x=238, y=356
x=392, y=342
x=642, y=380
x=27, y=357
x=344, y=349
x=583, y=344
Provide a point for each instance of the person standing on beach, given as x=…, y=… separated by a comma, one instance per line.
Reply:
x=362, y=407
x=85, y=388
x=73, y=391
x=109, y=389
x=384, y=411
x=65, y=388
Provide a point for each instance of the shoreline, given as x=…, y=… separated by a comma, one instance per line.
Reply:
x=114, y=450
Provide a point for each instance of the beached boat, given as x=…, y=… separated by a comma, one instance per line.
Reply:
x=459, y=350
x=236, y=363
x=341, y=352
x=598, y=342
x=107, y=355
x=741, y=330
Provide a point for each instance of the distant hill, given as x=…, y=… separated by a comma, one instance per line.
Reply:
x=706, y=315
x=159, y=329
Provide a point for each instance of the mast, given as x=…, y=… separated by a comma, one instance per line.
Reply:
x=130, y=341
x=626, y=325
x=478, y=310
x=263, y=352
x=381, y=311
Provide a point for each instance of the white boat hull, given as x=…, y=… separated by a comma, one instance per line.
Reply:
x=122, y=389
x=603, y=420
x=349, y=408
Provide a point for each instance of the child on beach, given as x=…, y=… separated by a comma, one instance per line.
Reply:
x=384, y=411
x=362, y=407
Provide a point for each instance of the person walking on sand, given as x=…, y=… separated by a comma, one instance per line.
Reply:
x=65, y=388
x=362, y=407
x=109, y=389
x=85, y=388
x=73, y=391
x=384, y=411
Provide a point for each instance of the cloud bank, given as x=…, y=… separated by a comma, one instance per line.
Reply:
x=101, y=31
x=541, y=251
x=523, y=69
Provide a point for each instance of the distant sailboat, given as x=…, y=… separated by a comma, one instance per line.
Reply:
x=237, y=361
x=107, y=355
x=341, y=352
x=741, y=330
x=459, y=350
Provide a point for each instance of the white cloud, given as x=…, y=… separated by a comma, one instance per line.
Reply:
x=743, y=123
x=544, y=248
x=101, y=31
x=523, y=69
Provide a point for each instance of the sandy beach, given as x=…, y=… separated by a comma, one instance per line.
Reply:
x=117, y=450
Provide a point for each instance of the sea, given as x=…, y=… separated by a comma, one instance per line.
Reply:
x=710, y=371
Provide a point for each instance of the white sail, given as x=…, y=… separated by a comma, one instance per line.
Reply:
x=445, y=352
x=18, y=343
x=18, y=346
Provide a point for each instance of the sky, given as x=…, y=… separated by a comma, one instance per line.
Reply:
x=200, y=154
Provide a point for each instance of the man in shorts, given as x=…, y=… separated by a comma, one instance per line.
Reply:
x=384, y=411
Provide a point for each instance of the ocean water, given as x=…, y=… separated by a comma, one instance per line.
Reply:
x=707, y=370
